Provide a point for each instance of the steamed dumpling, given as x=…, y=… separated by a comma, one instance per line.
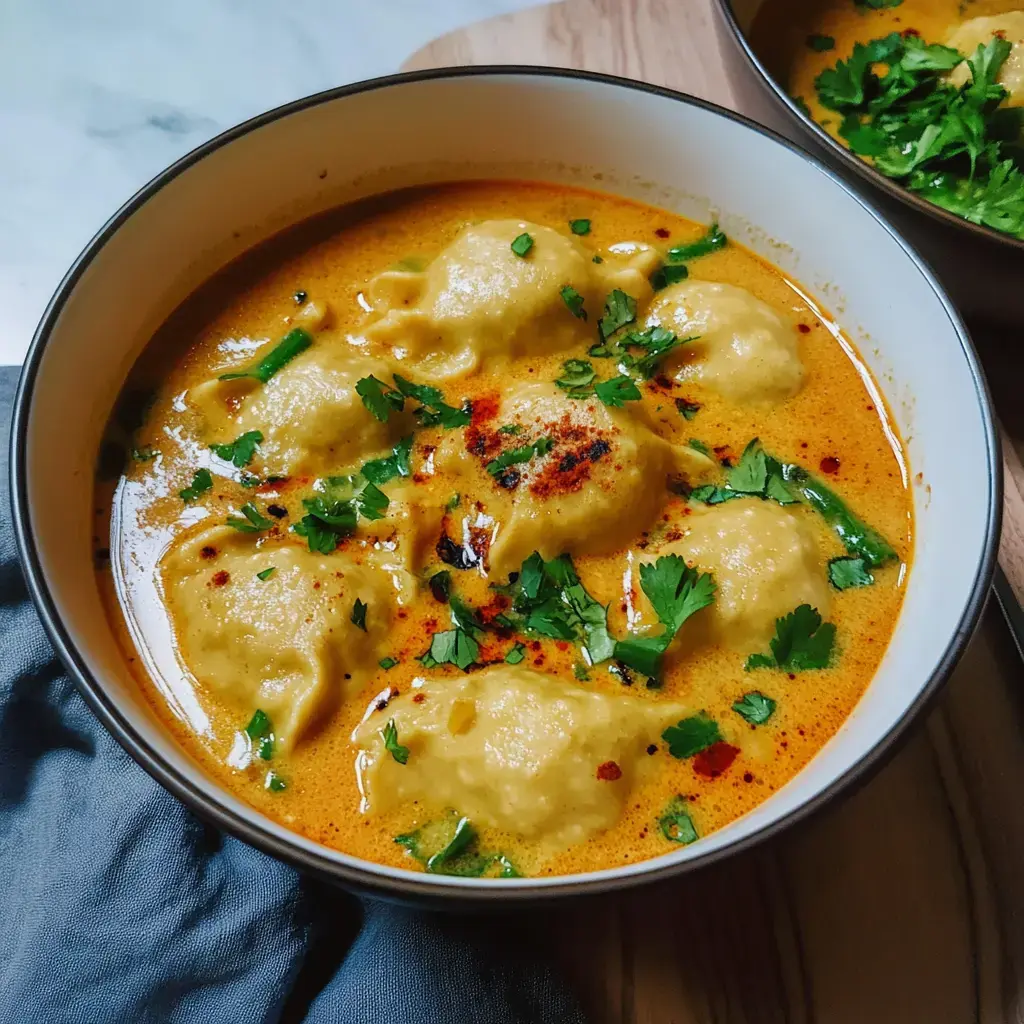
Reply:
x=602, y=482
x=765, y=562
x=513, y=749
x=312, y=420
x=479, y=302
x=285, y=644
x=978, y=32
x=744, y=350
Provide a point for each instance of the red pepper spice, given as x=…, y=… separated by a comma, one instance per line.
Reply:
x=220, y=578
x=715, y=759
x=609, y=771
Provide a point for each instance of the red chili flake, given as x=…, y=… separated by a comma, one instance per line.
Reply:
x=207, y=552
x=662, y=232
x=715, y=759
x=418, y=698
x=748, y=777
x=220, y=578
x=402, y=613
x=911, y=32
x=609, y=771
x=539, y=660
x=316, y=584
x=562, y=645
x=484, y=443
x=803, y=328
x=483, y=409
x=829, y=464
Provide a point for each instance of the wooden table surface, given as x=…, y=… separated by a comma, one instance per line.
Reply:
x=902, y=903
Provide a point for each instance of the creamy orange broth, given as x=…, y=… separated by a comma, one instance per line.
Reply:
x=780, y=31
x=838, y=415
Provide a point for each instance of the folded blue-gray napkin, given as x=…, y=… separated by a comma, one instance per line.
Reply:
x=118, y=905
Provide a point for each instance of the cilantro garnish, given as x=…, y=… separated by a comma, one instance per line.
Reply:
x=755, y=707
x=456, y=646
x=379, y=398
x=574, y=302
x=261, y=732
x=847, y=572
x=450, y=847
x=619, y=310
x=801, y=642
x=515, y=655
x=201, y=483
x=144, y=454
x=275, y=783
x=691, y=735
x=515, y=428
x=326, y=523
x=387, y=663
x=675, y=822
x=294, y=342
x=265, y=574
x=957, y=147
x=686, y=408
x=240, y=451
x=676, y=592
x=440, y=585
x=516, y=455
x=668, y=274
x=820, y=44
x=381, y=471
x=712, y=241
x=580, y=227
x=876, y=5
x=699, y=446
x=253, y=521
x=577, y=377
x=655, y=343
x=359, y=614
x=617, y=391
x=434, y=411
x=522, y=244
x=389, y=734
x=453, y=502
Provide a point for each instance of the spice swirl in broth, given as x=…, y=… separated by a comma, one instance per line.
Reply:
x=502, y=528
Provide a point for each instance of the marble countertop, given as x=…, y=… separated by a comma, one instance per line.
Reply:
x=97, y=98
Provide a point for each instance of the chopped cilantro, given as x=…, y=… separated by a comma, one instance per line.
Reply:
x=201, y=483
x=451, y=647
x=450, y=847
x=574, y=302
x=755, y=707
x=539, y=447
x=261, y=732
x=275, y=783
x=513, y=428
x=434, y=410
x=145, y=454
x=389, y=734
x=515, y=655
x=668, y=274
x=253, y=521
x=387, y=663
x=876, y=5
x=453, y=502
x=381, y=471
x=522, y=244
x=675, y=822
x=294, y=342
x=579, y=670
x=326, y=523
x=847, y=572
x=801, y=642
x=820, y=43
x=265, y=574
x=577, y=377
x=359, y=614
x=617, y=391
x=596, y=259
x=580, y=227
x=240, y=451
x=713, y=240
x=699, y=446
x=379, y=398
x=691, y=735
x=686, y=408
x=619, y=310
x=441, y=585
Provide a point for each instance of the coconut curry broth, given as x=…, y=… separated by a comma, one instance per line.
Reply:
x=600, y=771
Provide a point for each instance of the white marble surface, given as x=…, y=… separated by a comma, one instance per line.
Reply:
x=97, y=97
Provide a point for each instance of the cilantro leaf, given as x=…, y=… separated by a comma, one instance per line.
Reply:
x=265, y=574
x=699, y=446
x=261, y=733
x=240, y=451
x=619, y=310
x=389, y=734
x=687, y=408
x=449, y=846
x=877, y=5
x=379, y=398
x=580, y=227
x=668, y=274
x=801, y=642
x=292, y=344
x=675, y=590
x=275, y=783
x=754, y=707
x=387, y=663
x=515, y=655
x=617, y=391
x=381, y=471
x=434, y=410
x=515, y=428
x=517, y=455
x=713, y=240
x=254, y=521
x=675, y=822
x=326, y=523
x=574, y=302
x=201, y=483
x=820, y=44
x=847, y=572
x=577, y=377
x=359, y=614
x=643, y=653
x=691, y=735
x=522, y=244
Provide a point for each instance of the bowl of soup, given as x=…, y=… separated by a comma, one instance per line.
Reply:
x=919, y=101
x=491, y=485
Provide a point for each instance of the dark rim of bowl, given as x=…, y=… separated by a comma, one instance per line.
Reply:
x=431, y=888
x=840, y=152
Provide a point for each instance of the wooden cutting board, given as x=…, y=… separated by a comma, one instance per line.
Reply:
x=903, y=903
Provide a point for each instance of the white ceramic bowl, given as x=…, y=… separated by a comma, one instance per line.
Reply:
x=611, y=134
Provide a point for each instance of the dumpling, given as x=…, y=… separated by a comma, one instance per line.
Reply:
x=765, y=562
x=512, y=749
x=601, y=483
x=977, y=32
x=287, y=643
x=479, y=301
x=312, y=420
x=746, y=351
